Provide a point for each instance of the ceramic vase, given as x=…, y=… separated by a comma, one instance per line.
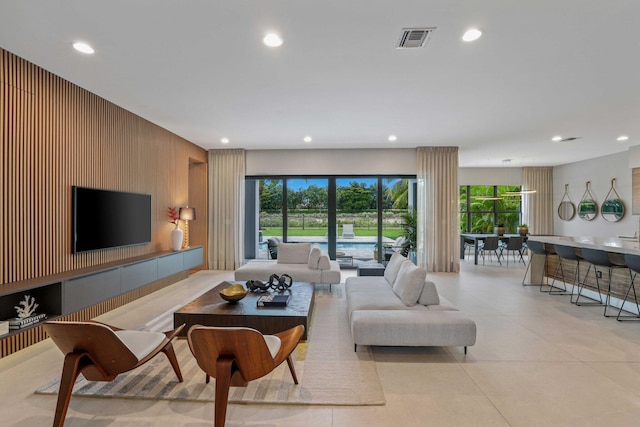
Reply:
x=176, y=238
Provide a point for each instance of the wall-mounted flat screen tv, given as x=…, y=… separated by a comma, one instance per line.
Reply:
x=109, y=219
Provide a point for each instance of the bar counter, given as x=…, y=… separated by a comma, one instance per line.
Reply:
x=615, y=246
x=609, y=244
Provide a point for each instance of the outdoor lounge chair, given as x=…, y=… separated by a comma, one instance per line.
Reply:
x=347, y=231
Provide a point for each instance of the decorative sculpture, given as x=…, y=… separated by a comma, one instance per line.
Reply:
x=29, y=306
x=281, y=284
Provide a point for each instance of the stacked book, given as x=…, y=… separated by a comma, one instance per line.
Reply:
x=23, y=322
x=273, y=300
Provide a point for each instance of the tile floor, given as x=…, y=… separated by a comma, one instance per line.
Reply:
x=538, y=361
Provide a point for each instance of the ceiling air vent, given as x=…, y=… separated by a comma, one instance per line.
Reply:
x=569, y=139
x=414, y=37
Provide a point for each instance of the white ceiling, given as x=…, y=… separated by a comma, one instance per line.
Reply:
x=199, y=69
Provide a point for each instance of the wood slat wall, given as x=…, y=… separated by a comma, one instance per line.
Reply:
x=54, y=135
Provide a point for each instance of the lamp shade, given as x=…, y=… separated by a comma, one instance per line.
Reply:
x=187, y=214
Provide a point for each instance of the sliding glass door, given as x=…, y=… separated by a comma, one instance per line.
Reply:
x=353, y=219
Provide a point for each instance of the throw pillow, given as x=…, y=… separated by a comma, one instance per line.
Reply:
x=429, y=295
x=393, y=266
x=314, y=257
x=409, y=283
x=293, y=253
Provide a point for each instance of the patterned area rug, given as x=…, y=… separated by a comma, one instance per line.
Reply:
x=329, y=371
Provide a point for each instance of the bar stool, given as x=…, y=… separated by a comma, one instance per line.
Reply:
x=566, y=253
x=598, y=258
x=536, y=248
x=633, y=263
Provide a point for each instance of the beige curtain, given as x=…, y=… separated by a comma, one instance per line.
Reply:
x=438, y=234
x=537, y=208
x=226, y=209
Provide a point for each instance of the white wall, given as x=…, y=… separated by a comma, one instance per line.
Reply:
x=599, y=172
x=490, y=176
x=401, y=161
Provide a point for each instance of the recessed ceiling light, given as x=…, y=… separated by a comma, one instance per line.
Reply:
x=471, y=35
x=623, y=138
x=393, y=138
x=307, y=139
x=272, y=40
x=557, y=138
x=83, y=47
x=225, y=140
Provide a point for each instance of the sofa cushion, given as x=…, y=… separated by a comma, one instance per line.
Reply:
x=293, y=253
x=391, y=272
x=324, y=263
x=314, y=257
x=409, y=283
x=429, y=295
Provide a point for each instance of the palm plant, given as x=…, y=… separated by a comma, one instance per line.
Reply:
x=409, y=229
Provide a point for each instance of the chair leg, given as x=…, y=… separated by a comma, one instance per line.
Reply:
x=171, y=355
x=620, y=318
x=73, y=365
x=607, y=299
x=562, y=291
x=224, y=366
x=581, y=287
x=292, y=369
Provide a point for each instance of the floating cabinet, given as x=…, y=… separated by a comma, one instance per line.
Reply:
x=89, y=290
x=138, y=274
x=193, y=258
x=71, y=291
x=170, y=264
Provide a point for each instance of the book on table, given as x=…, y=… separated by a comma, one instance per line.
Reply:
x=273, y=300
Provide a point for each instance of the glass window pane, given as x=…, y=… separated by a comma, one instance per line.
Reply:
x=356, y=219
x=270, y=216
x=307, y=211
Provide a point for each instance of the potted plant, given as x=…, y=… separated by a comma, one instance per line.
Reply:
x=499, y=229
x=409, y=230
x=523, y=229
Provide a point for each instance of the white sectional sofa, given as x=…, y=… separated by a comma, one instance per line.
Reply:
x=299, y=260
x=402, y=308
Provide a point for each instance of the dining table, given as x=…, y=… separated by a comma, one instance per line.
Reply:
x=476, y=238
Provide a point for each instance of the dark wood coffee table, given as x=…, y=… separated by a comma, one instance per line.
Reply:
x=210, y=309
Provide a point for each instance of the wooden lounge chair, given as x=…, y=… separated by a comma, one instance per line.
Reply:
x=101, y=352
x=234, y=356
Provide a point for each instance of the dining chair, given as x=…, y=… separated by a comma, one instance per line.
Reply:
x=489, y=244
x=236, y=355
x=514, y=244
x=101, y=352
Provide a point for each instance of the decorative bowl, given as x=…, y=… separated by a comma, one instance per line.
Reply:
x=233, y=293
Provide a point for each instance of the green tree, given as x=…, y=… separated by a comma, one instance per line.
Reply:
x=355, y=198
x=398, y=193
x=270, y=195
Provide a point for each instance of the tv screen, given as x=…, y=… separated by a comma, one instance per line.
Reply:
x=108, y=219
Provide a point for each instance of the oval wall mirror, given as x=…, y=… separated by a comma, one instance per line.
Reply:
x=612, y=208
x=587, y=208
x=566, y=209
